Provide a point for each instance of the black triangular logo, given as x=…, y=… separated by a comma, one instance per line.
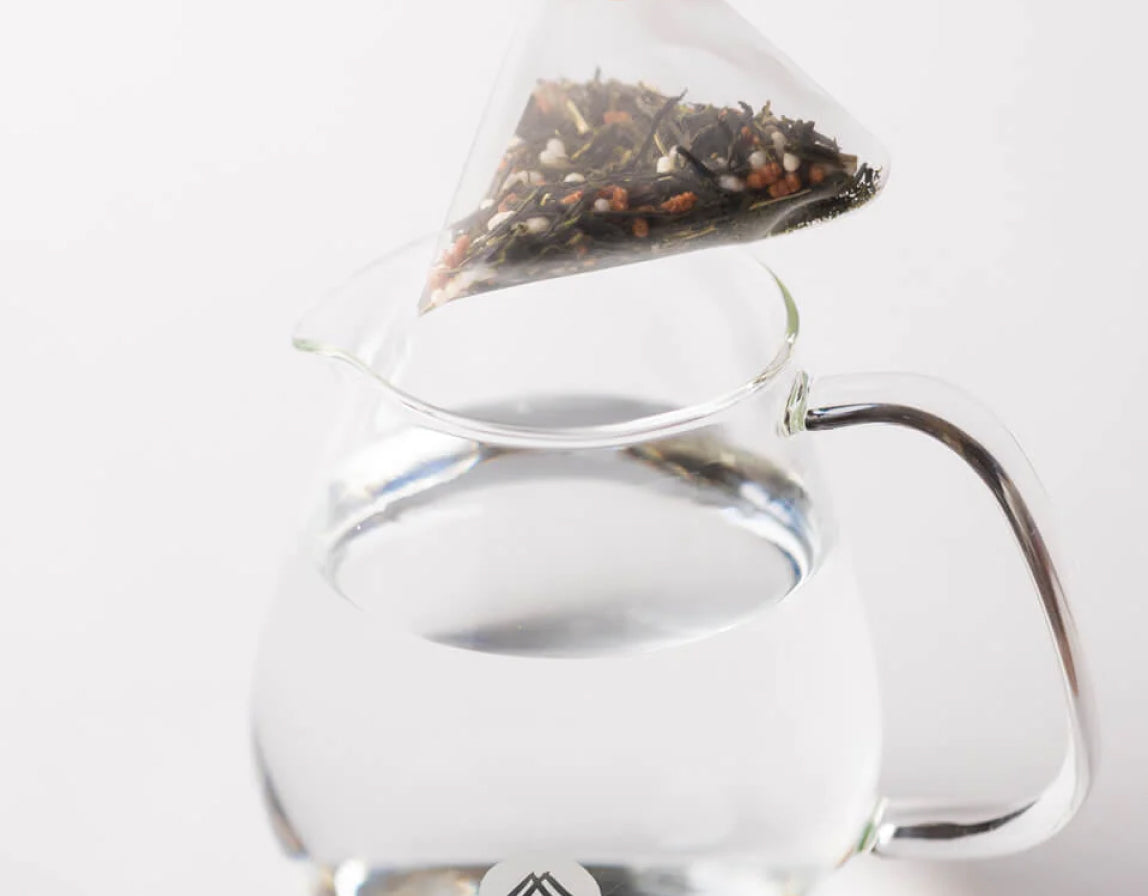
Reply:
x=545, y=884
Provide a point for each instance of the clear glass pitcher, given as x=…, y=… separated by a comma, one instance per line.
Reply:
x=573, y=615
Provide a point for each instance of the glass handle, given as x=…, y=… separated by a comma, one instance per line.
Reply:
x=915, y=829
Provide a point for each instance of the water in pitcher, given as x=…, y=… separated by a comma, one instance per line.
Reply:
x=641, y=658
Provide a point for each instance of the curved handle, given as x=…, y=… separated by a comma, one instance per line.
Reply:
x=943, y=831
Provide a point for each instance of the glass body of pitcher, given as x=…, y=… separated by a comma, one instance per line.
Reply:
x=573, y=598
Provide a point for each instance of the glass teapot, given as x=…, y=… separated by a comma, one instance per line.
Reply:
x=572, y=613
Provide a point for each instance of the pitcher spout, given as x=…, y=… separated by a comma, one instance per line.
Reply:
x=367, y=321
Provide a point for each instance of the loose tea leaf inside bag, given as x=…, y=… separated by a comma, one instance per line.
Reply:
x=687, y=130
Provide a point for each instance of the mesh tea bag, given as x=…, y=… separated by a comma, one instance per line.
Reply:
x=624, y=130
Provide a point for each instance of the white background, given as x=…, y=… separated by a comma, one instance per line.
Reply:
x=178, y=181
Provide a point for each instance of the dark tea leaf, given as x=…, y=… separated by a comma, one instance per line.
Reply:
x=604, y=173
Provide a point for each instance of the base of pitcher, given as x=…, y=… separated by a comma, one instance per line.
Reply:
x=353, y=878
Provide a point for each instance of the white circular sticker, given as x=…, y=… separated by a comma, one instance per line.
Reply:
x=538, y=875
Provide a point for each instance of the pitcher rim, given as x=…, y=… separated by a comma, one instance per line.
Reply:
x=639, y=429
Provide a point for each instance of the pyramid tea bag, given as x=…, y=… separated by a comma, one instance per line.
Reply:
x=624, y=130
